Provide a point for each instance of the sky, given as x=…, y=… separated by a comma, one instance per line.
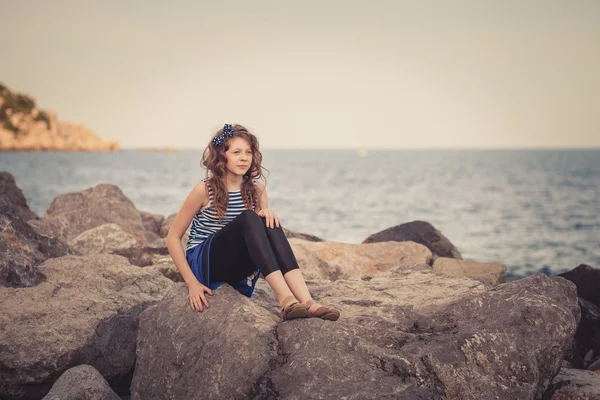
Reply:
x=313, y=74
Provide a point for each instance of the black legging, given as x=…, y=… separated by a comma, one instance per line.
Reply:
x=247, y=243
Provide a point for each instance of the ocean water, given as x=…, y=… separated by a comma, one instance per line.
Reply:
x=534, y=210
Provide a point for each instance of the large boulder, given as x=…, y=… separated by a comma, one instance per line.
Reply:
x=492, y=273
x=587, y=280
x=142, y=256
x=71, y=214
x=22, y=250
x=304, y=236
x=574, y=384
x=152, y=224
x=418, y=232
x=86, y=311
x=587, y=338
x=82, y=382
x=103, y=239
x=224, y=351
x=336, y=260
x=406, y=333
x=16, y=204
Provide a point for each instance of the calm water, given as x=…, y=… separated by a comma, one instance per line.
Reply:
x=531, y=209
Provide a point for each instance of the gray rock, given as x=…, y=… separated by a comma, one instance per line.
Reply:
x=216, y=354
x=85, y=311
x=587, y=280
x=22, y=250
x=141, y=256
x=418, y=232
x=304, y=236
x=492, y=273
x=103, y=239
x=16, y=204
x=404, y=334
x=82, y=382
x=595, y=366
x=166, y=225
x=71, y=214
x=152, y=224
x=574, y=384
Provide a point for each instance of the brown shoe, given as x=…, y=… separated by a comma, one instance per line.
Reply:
x=293, y=309
x=327, y=313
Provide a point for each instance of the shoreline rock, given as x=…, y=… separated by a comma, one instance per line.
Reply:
x=24, y=127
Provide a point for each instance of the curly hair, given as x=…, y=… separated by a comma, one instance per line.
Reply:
x=215, y=162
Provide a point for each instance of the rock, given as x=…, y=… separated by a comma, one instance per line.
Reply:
x=418, y=232
x=169, y=270
x=492, y=273
x=152, y=224
x=141, y=257
x=588, y=333
x=22, y=250
x=103, y=239
x=23, y=127
x=85, y=312
x=166, y=225
x=476, y=347
x=406, y=333
x=15, y=200
x=82, y=382
x=71, y=214
x=303, y=236
x=335, y=260
x=587, y=280
x=595, y=366
x=219, y=354
x=574, y=384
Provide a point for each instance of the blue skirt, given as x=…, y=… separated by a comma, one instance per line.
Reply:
x=198, y=257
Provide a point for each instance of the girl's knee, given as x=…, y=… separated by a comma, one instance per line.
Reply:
x=250, y=217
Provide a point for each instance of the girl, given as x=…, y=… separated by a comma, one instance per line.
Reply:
x=234, y=234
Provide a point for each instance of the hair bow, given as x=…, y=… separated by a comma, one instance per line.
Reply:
x=227, y=132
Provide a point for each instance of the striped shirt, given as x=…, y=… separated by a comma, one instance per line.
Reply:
x=206, y=222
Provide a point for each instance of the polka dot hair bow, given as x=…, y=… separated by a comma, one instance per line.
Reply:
x=227, y=132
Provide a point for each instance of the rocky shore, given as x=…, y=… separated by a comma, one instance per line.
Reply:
x=94, y=308
x=24, y=127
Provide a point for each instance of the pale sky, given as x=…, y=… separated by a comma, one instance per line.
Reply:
x=313, y=74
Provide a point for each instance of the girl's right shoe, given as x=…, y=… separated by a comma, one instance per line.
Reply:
x=326, y=313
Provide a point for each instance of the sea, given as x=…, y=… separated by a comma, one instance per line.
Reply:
x=533, y=210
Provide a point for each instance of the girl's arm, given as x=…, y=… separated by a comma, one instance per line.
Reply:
x=271, y=218
x=197, y=199
x=263, y=202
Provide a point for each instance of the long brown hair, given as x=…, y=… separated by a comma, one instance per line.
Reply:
x=215, y=162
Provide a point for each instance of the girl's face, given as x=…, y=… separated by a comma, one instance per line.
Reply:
x=239, y=156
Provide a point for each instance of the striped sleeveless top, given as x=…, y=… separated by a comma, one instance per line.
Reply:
x=206, y=222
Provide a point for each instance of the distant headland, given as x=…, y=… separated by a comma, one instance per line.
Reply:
x=24, y=127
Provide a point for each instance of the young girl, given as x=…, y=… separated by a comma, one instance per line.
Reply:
x=234, y=234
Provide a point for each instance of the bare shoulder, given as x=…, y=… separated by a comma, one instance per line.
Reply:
x=201, y=188
x=195, y=201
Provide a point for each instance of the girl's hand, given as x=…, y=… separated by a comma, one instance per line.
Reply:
x=271, y=219
x=197, y=297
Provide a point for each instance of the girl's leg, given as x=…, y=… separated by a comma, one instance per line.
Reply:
x=289, y=266
x=244, y=242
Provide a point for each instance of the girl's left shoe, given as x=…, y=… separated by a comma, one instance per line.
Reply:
x=293, y=309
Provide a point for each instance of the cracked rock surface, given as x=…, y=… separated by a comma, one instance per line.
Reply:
x=404, y=334
x=86, y=311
